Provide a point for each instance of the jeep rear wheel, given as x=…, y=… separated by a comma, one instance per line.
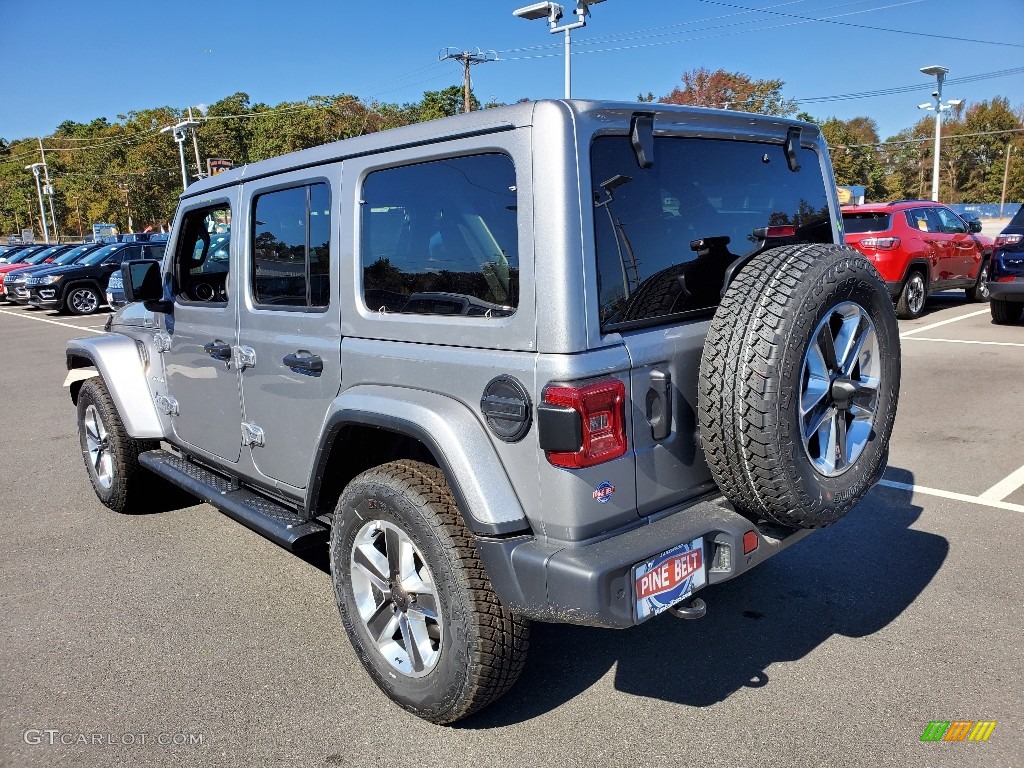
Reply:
x=415, y=599
x=799, y=384
x=110, y=455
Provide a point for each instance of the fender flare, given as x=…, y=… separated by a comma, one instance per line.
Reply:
x=453, y=435
x=117, y=362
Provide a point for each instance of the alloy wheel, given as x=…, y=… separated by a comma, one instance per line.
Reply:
x=396, y=598
x=98, y=445
x=839, y=389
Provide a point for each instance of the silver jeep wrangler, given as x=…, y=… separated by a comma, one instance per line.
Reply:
x=561, y=361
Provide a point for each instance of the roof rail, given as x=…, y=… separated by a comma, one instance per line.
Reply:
x=898, y=202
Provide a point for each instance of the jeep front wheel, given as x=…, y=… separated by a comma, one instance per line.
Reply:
x=415, y=599
x=83, y=300
x=110, y=455
x=799, y=384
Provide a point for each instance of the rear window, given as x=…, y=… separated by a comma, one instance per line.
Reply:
x=1018, y=218
x=858, y=223
x=666, y=235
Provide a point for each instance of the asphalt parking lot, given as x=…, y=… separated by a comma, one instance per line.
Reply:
x=188, y=628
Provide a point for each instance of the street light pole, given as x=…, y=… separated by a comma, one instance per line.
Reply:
x=48, y=188
x=553, y=12
x=180, y=131
x=940, y=75
x=42, y=209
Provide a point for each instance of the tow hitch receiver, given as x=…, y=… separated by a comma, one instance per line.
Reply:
x=695, y=610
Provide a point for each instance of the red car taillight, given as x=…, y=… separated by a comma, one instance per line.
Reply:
x=881, y=243
x=1002, y=240
x=601, y=409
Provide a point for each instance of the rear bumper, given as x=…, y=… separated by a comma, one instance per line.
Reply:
x=1007, y=291
x=592, y=584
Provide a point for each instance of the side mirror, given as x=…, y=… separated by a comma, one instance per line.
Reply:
x=142, y=280
x=974, y=225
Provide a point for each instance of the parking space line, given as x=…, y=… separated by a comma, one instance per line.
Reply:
x=984, y=502
x=1005, y=487
x=966, y=341
x=943, y=322
x=51, y=322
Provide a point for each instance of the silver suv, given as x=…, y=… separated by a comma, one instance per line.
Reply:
x=561, y=361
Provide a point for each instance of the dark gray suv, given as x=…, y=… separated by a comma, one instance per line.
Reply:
x=561, y=361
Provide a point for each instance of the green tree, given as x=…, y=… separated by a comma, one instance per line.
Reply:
x=855, y=158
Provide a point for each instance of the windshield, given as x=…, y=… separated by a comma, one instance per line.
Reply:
x=99, y=255
x=857, y=223
x=38, y=256
x=70, y=256
x=666, y=235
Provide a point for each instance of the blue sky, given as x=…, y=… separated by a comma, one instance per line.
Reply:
x=85, y=60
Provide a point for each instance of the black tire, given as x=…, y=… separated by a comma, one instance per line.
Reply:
x=82, y=299
x=1006, y=312
x=979, y=292
x=913, y=296
x=754, y=372
x=126, y=489
x=481, y=644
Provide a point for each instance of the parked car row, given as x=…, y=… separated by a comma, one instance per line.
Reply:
x=1006, y=273
x=71, y=278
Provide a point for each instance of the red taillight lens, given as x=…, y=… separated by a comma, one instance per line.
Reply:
x=1008, y=240
x=787, y=230
x=602, y=410
x=881, y=243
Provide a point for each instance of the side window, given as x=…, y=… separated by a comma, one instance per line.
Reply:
x=121, y=255
x=934, y=222
x=917, y=218
x=951, y=223
x=291, y=247
x=202, y=254
x=440, y=238
x=153, y=251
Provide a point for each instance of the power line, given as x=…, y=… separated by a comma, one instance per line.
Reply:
x=826, y=20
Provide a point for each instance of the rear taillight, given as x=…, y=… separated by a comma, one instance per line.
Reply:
x=781, y=230
x=1002, y=240
x=881, y=243
x=599, y=410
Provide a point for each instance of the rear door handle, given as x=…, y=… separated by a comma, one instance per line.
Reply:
x=659, y=404
x=218, y=349
x=304, y=361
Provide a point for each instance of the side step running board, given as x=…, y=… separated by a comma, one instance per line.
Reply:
x=268, y=518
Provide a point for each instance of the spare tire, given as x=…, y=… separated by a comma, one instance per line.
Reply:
x=799, y=383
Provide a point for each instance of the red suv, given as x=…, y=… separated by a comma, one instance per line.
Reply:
x=920, y=247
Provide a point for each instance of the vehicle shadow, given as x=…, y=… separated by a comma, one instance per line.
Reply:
x=850, y=579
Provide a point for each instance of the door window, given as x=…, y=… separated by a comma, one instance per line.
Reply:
x=202, y=256
x=291, y=248
x=951, y=223
x=440, y=238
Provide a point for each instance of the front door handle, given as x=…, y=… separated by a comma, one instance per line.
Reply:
x=218, y=349
x=304, y=361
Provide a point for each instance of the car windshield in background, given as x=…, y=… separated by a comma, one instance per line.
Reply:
x=100, y=255
x=858, y=223
x=667, y=234
x=70, y=256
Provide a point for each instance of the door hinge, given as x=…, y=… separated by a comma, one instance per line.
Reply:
x=245, y=357
x=161, y=341
x=252, y=434
x=166, y=404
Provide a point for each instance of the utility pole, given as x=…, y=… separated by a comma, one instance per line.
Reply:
x=195, y=144
x=468, y=59
x=42, y=210
x=1006, y=173
x=180, y=131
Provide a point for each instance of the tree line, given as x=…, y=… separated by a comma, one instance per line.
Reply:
x=106, y=171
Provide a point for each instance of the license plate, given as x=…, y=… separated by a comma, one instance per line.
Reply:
x=672, y=576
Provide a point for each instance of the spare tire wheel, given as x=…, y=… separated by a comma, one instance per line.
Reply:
x=799, y=383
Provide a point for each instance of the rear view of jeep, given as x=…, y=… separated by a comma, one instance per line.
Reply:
x=579, y=362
